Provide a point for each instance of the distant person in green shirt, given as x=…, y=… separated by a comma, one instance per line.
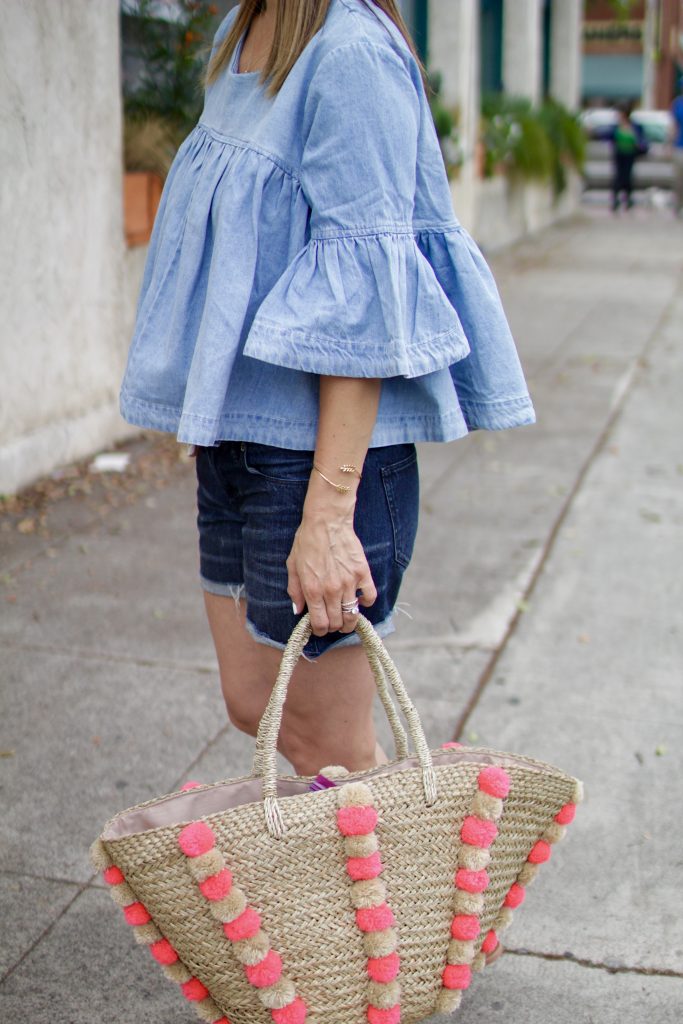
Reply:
x=628, y=143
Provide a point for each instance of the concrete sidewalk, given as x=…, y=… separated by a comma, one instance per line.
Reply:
x=545, y=617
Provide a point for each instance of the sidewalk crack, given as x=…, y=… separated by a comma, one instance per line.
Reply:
x=596, y=965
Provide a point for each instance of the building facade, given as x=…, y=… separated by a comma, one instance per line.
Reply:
x=632, y=53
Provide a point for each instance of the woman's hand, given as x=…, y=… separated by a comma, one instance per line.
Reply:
x=327, y=564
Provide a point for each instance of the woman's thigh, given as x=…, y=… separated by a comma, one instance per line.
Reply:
x=328, y=712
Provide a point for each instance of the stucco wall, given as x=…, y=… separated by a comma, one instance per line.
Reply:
x=64, y=307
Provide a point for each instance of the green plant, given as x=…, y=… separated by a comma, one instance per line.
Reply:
x=171, y=57
x=532, y=143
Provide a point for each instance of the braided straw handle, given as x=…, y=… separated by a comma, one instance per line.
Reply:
x=269, y=726
x=400, y=739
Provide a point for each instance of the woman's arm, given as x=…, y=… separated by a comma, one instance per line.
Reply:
x=327, y=564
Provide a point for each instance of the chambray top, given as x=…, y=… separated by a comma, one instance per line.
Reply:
x=313, y=233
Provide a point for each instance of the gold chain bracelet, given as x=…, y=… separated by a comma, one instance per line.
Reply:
x=340, y=488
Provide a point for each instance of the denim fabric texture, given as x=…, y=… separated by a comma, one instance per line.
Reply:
x=250, y=499
x=313, y=233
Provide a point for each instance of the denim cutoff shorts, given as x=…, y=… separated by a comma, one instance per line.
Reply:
x=250, y=499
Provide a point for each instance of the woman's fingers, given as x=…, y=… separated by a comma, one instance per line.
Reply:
x=368, y=590
x=294, y=588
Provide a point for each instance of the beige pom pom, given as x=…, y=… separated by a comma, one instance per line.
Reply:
x=99, y=858
x=334, y=771
x=460, y=952
x=207, y=1010
x=206, y=864
x=473, y=858
x=504, y=919
x=146, y=934
x=177, y=972
x=486, y=806
x=577, y=796
x=384, y=996
x=252, y=951
x=274, y=997
x=468, y=902
x=355, y=794
x=554, y=833
x=527, y=874
x=380, y=943
x=448, y=1000
x=122, y=894
x=479, y=962
x=232, y=906
x=368, y=894
x=361, y=846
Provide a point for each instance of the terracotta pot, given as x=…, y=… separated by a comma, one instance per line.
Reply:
x=141, y=195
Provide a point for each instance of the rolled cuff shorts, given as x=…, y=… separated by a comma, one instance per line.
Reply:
x=250, y=499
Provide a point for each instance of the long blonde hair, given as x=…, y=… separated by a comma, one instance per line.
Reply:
x=296, y=23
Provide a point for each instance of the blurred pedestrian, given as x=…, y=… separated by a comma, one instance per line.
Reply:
x=310, y=308
x=628, y=143
x=677, y=152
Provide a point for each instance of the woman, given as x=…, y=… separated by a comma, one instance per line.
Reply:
x=310, y=308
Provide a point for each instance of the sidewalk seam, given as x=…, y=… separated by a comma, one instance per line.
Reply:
x=111, y=656
x=611, y=421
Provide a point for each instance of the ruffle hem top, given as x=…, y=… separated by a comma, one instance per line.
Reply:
x=313, y=233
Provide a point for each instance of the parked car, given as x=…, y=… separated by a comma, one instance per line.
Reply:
x=654, y=170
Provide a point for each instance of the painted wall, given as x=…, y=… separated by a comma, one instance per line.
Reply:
x=65, y=307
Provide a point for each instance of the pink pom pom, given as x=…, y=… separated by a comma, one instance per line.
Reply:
x=136, y=914
x=221, y=1020
x=375, y=919
x=217, y=887
x=471, y=881
x=384, y=968
x=465, y=927
x=163, y=952
x=390, y=1016
x=243, y=927
x=494, y=781
x=265, y=973
x=294, y=1013
x=196, y=839
x=451, y=746
x=565, y=815
x=540, y=852
x=356, y=821
x=457, y=976
x=113, y=876
x=362, y=868
x=490, y=942
x=515, y=896
x=189, y=785
x=477, y=831
x=194, y=990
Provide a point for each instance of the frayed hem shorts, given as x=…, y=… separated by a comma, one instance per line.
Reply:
x=250, y=499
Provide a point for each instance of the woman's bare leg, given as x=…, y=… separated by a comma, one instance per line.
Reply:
x=328, y=714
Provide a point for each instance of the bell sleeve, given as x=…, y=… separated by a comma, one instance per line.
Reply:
x=360, y=299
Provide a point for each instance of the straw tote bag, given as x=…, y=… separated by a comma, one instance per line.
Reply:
x=371, y=900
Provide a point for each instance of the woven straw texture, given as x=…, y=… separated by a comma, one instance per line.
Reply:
x=300, y=886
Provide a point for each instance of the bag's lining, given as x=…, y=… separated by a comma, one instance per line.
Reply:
x=180, y=808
